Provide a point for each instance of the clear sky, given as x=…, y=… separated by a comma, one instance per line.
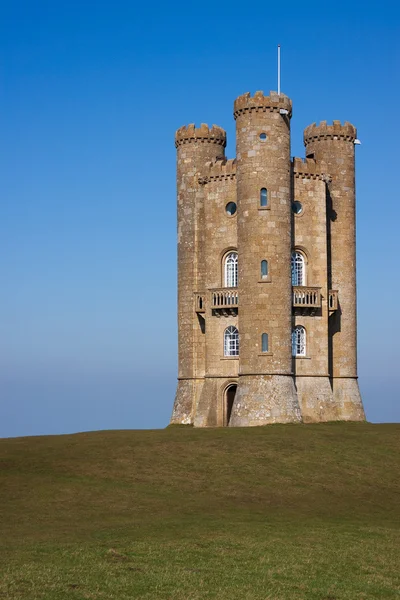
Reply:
x=91, y=95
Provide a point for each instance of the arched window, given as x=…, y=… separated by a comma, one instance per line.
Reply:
x=263, y=197
x=264, y=342
x=231, y=341
x=231, y=269
x=298, y=268
x=264, y=269
x=299, y=341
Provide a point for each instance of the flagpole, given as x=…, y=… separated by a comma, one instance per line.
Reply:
x=279, y=69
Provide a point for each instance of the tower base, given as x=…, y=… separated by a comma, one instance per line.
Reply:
x=207, y=407
x=316, y=400
x=347, y=397
x=264, y=399
x=185, y=401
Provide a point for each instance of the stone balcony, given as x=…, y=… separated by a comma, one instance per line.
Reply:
x=224, y=301
x=333, y=301
x=306, y=299
x=221, y=301
x=200, y=302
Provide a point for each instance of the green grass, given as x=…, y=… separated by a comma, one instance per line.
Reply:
x=280, y=512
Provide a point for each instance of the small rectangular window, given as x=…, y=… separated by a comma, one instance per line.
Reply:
x=264, y=342
x=263, y=197
x=264, y=269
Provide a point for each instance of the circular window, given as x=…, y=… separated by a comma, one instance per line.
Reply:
x=263, y=136
x=297, y=207
x=230, y=208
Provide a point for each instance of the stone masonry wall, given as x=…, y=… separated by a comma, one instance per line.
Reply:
x=309, y=237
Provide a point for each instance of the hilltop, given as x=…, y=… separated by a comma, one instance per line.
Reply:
x=277, y=512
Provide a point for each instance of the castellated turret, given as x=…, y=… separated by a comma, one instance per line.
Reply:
x=266, y=272
x=334, y=144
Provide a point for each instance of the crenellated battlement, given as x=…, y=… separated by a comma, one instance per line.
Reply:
x=204, y=133
x=273, y=103
x=309, y=168
x=219, y=170
x=336, y=131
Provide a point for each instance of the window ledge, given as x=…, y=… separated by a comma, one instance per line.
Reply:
x=302, y=357
x=265, y=280
x=264, y=208
x=229, y=358
x=266, y=354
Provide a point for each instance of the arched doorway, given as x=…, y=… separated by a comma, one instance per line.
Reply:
x=230, y=394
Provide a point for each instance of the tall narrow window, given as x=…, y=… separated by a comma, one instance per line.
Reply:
x=231, y=341
x=264, y=269
x=263, y=197
x=298, y=269
x=299, y=341
x=264, y=342
x=231, y=269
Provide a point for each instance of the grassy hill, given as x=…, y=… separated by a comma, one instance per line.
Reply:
x=278, y=512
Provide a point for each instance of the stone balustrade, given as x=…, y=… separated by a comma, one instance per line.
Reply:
x=333, y=300
x=200, y=302
x=306, y=297
x=224, y=298
x=224, y=301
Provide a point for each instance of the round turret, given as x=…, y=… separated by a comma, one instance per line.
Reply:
x=334, y=145
x=336, y=131
x=264, y=235
x=196, y=146
x=191, y=133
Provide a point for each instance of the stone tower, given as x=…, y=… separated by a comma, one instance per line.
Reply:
x=266, y=272
x=334, y=144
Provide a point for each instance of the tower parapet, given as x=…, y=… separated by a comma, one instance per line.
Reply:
x=308, y=168
x=336, y=131
x=204, y=133
x=219, y=169
x=259, y=102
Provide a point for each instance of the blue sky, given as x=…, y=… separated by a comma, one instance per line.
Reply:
x=91, y=95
